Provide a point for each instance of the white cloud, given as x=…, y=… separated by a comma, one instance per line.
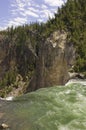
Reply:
x=40, y=20
x=46, y=13
x=30, y=13
x=39, y=11
x=33, y=9
x=54, y=2
x=20, y=3
x=3, y=28
x=24, y=8
x=26, y=11
x=20, y=20
x=44, y=6
x=17, y=21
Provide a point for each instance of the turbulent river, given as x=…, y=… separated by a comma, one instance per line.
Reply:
x=55, y=108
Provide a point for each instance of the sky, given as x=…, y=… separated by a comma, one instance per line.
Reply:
x=19, y=12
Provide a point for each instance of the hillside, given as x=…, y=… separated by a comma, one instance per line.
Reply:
x=72, y=18
x=40, y=50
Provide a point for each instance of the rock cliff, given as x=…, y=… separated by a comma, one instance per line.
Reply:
x=46, y=49
x=56, y=56
x=13, y=65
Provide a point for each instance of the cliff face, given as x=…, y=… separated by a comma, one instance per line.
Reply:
x=40, y=47
x=11, y=57
x=16, y=68
x=3, y=57
x=55, y=57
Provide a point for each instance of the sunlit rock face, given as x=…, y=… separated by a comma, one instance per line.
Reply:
x=56, y=55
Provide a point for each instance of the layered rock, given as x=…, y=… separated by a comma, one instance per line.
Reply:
x=56, y=56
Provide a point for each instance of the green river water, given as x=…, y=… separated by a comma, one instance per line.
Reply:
x=55, y=108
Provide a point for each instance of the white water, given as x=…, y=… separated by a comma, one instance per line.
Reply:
x=10, y=98
x=76, y=81
x=55, y=108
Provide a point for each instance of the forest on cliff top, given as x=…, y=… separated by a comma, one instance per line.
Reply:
x=71, y=18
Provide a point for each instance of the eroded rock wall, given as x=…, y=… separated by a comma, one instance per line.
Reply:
x=55, y=57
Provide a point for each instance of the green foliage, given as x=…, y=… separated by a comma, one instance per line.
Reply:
x=23, y=42
x=80, y=65
x=8, y=79
x=72, y=18
x=5, y=91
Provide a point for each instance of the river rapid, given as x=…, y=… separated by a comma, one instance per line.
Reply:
x=55, y=108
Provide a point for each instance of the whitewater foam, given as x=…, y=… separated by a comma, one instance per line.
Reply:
x=7, y=98
x=76, y=81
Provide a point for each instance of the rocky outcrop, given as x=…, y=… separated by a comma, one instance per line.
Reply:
x=75, y=75
x=56, y=56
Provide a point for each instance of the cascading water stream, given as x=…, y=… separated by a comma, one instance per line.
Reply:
x=55, y=108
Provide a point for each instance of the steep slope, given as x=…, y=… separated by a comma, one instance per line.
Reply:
x=72, y=18
x=57, y=54
x=17, y=61
x=48, y=50
x=55, y=57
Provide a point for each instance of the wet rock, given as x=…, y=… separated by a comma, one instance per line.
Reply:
x=76, y=76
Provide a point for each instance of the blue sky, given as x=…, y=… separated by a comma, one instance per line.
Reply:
x=18, y=12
